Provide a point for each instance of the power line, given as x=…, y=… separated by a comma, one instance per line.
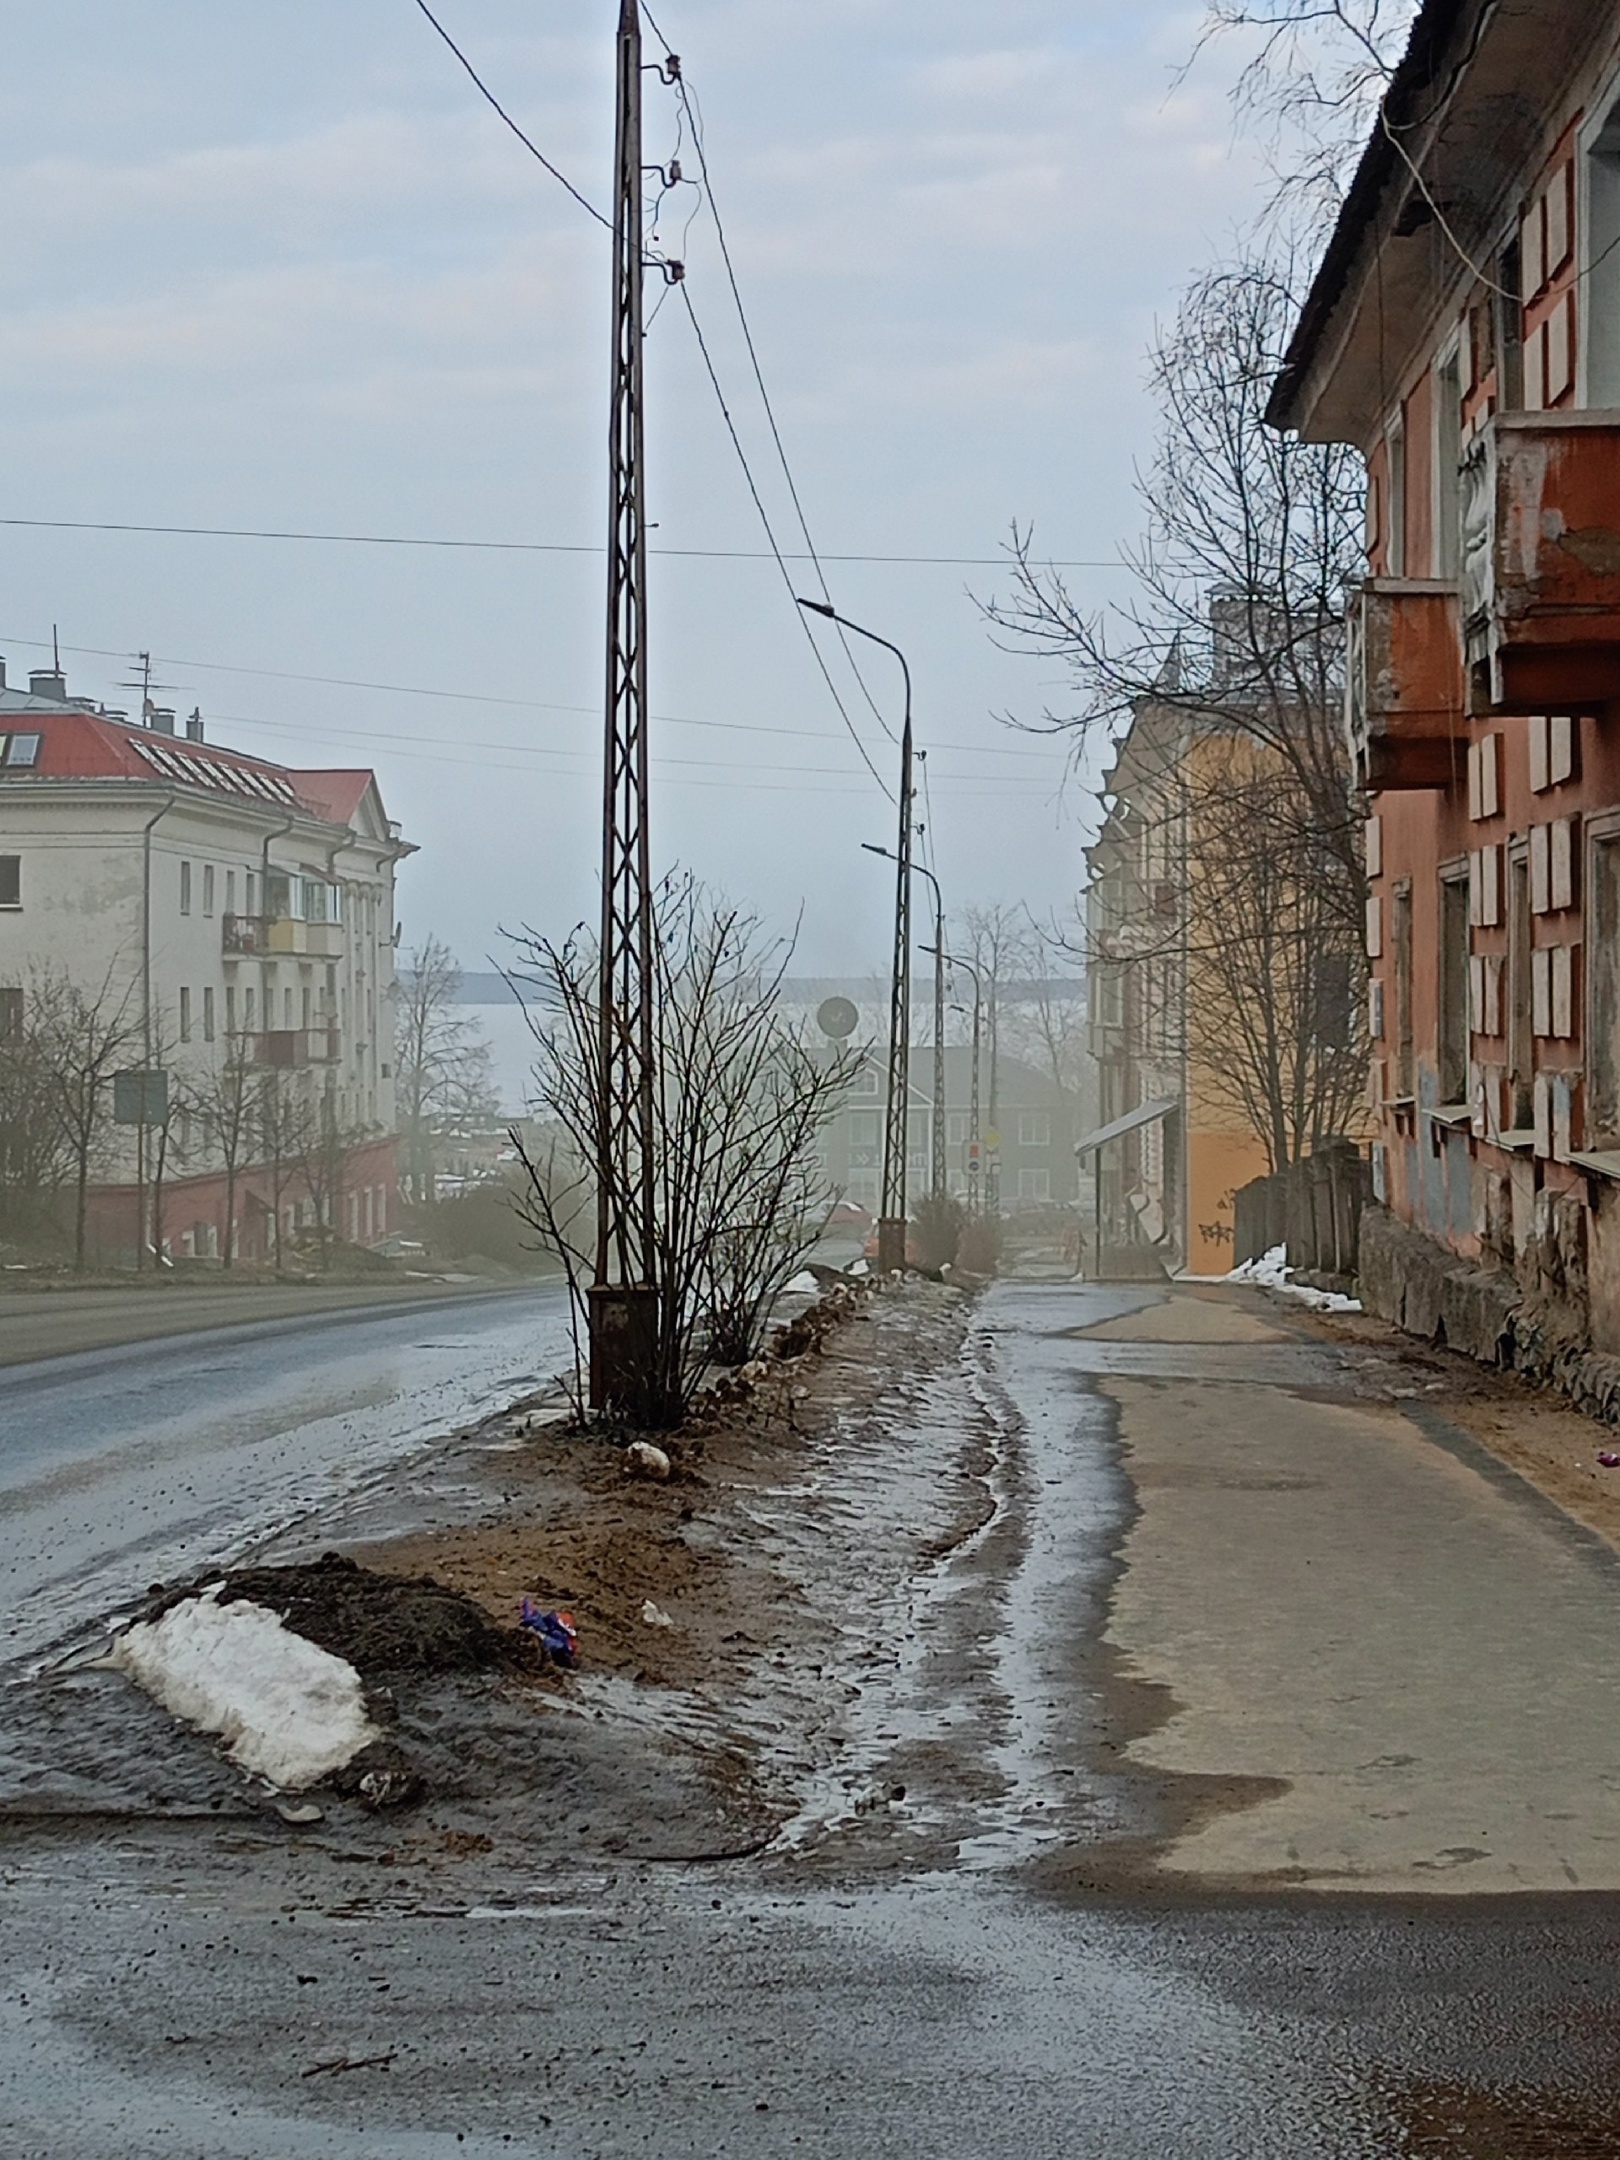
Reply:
x=764, y=519
x=484, y=697
x=694, y=120
x=475, y=697
x=582, y=767
x=527, y=547
x=500, y=111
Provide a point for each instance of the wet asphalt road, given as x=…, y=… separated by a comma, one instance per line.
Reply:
x=123, y=1466
x=165, y=1991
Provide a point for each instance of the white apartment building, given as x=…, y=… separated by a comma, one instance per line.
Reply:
x=232, y=910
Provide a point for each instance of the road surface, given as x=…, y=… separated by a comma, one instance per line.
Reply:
x=120, y=1467
x=1240, y=1630
x=38, y=1324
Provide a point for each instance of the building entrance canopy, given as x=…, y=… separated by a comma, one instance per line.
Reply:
x=1148, y=1113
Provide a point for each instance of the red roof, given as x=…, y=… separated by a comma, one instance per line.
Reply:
x=334, y=795
x=84, y=746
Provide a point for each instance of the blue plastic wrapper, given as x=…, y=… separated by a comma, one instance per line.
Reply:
x=555, y=1629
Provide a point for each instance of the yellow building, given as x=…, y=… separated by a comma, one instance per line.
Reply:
x=1224, y=989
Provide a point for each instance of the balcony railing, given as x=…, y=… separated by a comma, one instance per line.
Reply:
x=1541, y=561
x=1404, y=684
x=272, y=936
x=294, y=1048
x=243, y=935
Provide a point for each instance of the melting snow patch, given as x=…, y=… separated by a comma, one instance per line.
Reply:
x=1271, y=1272
x=287, y=1710
x=804, y=1284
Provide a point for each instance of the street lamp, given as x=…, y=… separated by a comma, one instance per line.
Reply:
x=973, y=1113
x=892, y=1217
x=937, y=1152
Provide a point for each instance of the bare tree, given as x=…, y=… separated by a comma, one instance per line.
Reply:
x=1230, y=660
x=739, y=1199
x=83, y=1036
x=281, y=1117
x=224, y=1094
x=442, y=1072
x=323, y=1147
x=1309, y=89
x=33, y=1153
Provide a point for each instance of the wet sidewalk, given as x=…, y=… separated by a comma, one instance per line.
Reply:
x=1360, y=1653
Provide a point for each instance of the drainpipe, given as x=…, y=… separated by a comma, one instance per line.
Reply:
x=146, y=1024
x=270, y=838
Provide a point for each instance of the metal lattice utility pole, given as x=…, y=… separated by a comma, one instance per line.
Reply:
x=974, y=1138
x=892, y=1217
x=940, y=1178
x=625, y=1371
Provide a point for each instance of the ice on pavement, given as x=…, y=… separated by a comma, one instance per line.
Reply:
x=1271, y=1272
x=287, y=1710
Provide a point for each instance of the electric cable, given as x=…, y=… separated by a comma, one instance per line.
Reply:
x=484, y=697
x=495, y=106
x=522, y=547
x=764, y=519
x=689, y=106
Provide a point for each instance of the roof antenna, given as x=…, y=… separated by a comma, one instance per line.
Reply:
x=56, y=652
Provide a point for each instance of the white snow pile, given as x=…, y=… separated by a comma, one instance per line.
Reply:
x=1272, y=1272
x=287, y=1710
x=804, y=1284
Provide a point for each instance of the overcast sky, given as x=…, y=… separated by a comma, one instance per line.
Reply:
x=275, y=265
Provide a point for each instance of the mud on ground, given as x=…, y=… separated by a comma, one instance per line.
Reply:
x=783, y=1553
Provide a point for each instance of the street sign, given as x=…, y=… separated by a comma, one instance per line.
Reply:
x=974, y=1151
x=141, y=1098
x=992, y=1141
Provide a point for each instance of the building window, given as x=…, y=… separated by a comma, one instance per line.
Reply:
x=208, y=888
x=1603, y=993
x=251, y=893
x=1034, y=1128
x=863, y=1128
x=286, y=1006
x=185, y=888
x=11, y=1015
x=1401, y=936
x=230, y=1008
x=306, y=1006
x=1453, y=1044
x=866, y=1082
x=863, y=1188
x=1520, y=1035
x=208, y=1014
x=230, y=892
x=10, y=881
x=185, y=1016
x=249, y=1001
x=958, y=1128
x=1034, y=1184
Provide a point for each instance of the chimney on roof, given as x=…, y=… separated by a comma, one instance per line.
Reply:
x=194, y=726
x=163, y=719
x=48, y=682
x=2, y=674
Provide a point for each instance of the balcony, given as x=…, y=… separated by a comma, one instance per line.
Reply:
x=1541, y=561
x=1404, y=684
x=242, y=937
x=291, y=1049
x=280, y=936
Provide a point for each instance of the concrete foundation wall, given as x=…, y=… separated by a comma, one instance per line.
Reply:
x=1487, y=1312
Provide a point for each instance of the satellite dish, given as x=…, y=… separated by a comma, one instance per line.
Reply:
x=837, y=1017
